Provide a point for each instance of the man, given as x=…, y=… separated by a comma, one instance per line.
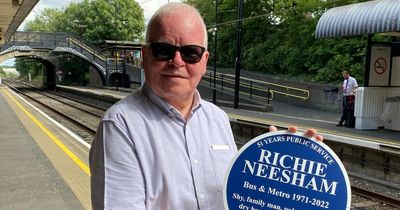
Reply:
x=163, y=147
x=349, y=89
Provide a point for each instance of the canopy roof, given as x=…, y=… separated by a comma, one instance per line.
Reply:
x=12, y=13
x=358, y=19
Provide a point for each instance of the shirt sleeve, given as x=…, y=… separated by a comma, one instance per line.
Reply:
x=116, y=177
x=355, y=84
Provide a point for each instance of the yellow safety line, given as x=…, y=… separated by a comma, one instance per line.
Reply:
x=70, y=154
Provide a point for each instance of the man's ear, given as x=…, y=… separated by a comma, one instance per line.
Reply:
x=143, y=55
x=206, y=56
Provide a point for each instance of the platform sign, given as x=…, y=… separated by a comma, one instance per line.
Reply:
x=286, y=171
x=380, y=66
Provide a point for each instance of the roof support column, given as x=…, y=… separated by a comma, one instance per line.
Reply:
x=368, y=61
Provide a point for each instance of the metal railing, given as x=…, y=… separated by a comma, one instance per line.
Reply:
x=84, y=46
x=256, y=88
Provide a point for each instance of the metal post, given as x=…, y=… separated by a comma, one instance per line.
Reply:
x=268, y=94
x=107, y=74
x=251, y=89
x=210, y=78
x=238, y=52
x=222, y=82
x=368, y=61
x=124, y=70
x=215, y=54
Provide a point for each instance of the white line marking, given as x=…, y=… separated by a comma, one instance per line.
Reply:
x=301, y=118
x=72, y=134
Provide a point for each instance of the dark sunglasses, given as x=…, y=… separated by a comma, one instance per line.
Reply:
x=164, y=52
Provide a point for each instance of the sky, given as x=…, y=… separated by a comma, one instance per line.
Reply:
x=149, y=7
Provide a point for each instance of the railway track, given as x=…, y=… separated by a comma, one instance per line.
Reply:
x=376, y=198
x=79, y=117
x=78, y=104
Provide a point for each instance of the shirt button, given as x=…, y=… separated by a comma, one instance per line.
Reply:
x=201, y=196
x=195, y=161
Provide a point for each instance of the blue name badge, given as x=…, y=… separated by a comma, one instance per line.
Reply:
x=286, y=171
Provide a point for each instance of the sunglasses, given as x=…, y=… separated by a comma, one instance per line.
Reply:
x=165, y=52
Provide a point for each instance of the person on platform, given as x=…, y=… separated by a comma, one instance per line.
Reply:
x=349, y=89
x=163, y=147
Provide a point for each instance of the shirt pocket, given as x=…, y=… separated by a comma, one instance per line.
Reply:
x=221, y=160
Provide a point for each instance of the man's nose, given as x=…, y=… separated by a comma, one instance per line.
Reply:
x=177, y=60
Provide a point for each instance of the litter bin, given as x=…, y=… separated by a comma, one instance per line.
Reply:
x=391, y=113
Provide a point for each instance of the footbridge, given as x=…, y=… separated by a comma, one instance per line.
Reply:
x=47, y=48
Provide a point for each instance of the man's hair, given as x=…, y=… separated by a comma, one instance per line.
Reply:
x=346, y=72
x=172, y=8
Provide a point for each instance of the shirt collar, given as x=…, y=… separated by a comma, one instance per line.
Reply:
x=166, y=107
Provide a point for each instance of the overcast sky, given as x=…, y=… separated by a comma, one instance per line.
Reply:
x=149, y=7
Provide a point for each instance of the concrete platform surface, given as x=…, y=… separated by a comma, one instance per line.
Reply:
x=29, y=179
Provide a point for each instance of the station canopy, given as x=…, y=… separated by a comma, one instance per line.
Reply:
x=379, y=16
x=12, y=13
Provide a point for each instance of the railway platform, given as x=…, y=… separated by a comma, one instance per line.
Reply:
x=42, y=167
x=285, y=115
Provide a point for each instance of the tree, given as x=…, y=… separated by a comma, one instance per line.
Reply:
x=2, y=73
x=26, y=66
x=95, y=20
x=278, y=39
x=48, y=20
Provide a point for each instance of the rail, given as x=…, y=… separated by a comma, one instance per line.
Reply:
x=83, y=126
x=89, y=49
x=376, y=196
x=256, y=88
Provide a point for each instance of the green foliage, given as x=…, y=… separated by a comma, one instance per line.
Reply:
x=76, y=70
x=2, y=73
x=26, y=66
x=278, y=39
x=48, y=20
x=95, y=20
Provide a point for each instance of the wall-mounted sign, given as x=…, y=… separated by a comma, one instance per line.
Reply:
x=380, y=66
x=286, y=171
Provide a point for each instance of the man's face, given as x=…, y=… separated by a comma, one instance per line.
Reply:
x=175, y=80
x=345, y=75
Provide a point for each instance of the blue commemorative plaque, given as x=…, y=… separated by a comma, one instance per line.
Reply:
x=286, y=171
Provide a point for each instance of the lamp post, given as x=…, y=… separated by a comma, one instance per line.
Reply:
x=215, y=54
x=238, y=52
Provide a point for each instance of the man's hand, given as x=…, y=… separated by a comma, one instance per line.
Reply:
x=311, y=132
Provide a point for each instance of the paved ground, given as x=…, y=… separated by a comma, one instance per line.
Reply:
x=28, y=178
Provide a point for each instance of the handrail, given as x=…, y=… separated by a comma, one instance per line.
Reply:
x=271, y=94
x=306, y=93
x=60, y=37
x=87, y=48
x=88, y=44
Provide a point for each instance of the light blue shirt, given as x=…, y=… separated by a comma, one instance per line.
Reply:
x=349, y=85
x=145, y=156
